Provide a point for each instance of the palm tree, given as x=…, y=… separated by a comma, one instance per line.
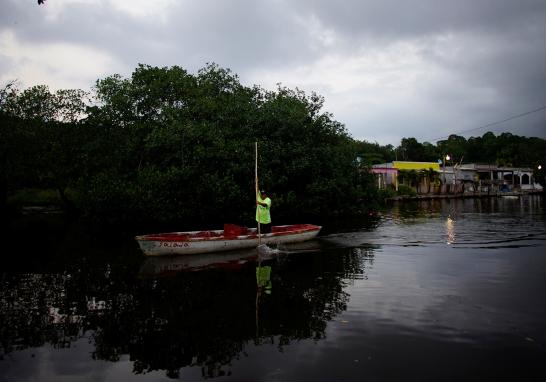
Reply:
x=429, y=175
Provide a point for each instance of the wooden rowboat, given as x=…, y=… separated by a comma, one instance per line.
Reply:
x=232, y=237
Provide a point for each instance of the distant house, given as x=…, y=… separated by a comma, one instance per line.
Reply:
x=498, y=178
x=387, y=174
x=461, y=178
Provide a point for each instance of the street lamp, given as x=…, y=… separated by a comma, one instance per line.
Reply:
x=538, y=175
x=446, y=158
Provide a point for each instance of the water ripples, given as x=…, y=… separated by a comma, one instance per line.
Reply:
x=464, y=230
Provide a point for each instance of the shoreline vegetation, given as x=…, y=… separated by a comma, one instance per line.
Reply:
x=29, y=203
x=167, y=147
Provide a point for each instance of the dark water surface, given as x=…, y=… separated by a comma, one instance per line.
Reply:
x=431, y=291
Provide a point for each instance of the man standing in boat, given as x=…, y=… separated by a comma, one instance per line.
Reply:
x=263, y=216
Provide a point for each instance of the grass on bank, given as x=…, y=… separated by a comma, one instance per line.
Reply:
x=38, y=197
x=403, y=190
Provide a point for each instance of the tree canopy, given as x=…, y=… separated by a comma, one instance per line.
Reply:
x=165, y=145
x=505, y=149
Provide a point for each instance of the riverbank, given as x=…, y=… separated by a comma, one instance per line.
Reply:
x=465, y=195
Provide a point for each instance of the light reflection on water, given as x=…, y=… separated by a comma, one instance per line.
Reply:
x=452, y=285
x=463, y=223
x=450, y=230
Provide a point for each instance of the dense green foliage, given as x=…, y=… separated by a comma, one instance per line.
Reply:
x=505, y=149
x=169, y=146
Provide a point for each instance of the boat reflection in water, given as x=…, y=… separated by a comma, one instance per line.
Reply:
x=166, y=265
x=226, y=303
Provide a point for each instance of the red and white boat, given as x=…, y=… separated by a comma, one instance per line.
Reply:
x=232, y=237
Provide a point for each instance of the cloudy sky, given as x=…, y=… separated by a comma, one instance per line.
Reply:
x=387, y=69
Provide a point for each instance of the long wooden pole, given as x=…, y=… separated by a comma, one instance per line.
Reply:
x=256, y=183
x=259, y=243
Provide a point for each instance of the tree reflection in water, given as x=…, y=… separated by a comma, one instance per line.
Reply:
x=200, y=318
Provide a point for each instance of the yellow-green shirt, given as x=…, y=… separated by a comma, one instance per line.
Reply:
x=262, y=212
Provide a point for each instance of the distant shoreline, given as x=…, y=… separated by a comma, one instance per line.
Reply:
x=464, y=196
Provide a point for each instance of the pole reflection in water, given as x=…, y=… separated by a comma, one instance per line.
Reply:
x=263, y=286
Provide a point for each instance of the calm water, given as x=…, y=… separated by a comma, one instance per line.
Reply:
x=451, y=290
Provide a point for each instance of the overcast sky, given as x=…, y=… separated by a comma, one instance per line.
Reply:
x=387, y=69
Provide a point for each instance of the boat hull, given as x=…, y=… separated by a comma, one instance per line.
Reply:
x=189, y=243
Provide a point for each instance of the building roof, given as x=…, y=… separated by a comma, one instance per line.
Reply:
x=407, y=165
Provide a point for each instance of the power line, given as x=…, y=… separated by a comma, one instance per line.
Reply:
x=495, y=123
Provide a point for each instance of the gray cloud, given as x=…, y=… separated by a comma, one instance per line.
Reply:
x=388, y=69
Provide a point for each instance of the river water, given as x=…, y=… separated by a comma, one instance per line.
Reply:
x=428, y=291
